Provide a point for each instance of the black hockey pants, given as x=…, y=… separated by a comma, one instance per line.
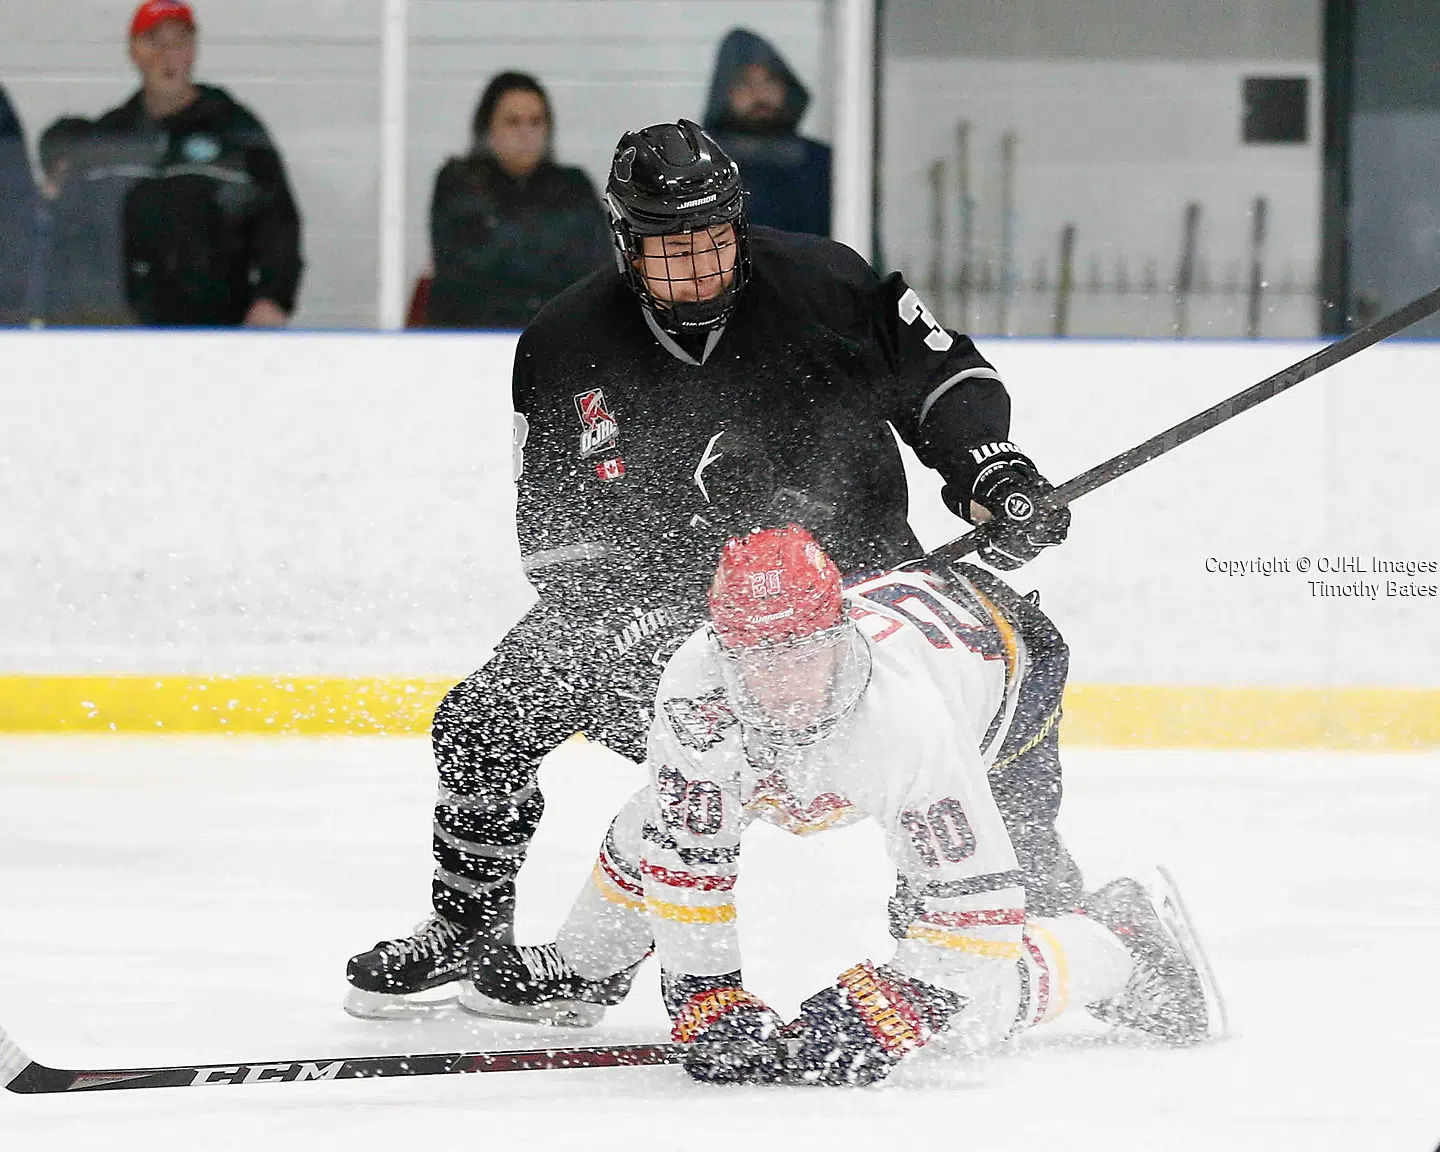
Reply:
x=568, y=666
x=1025, y=778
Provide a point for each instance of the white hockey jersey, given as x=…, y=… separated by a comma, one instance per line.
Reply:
x=914, y=753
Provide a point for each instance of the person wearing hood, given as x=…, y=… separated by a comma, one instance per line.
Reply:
x=212, y=233
x=17, y=213
x=509, y=227
x=77, y=273
x=756, y=104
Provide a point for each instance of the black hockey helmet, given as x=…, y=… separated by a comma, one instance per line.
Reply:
x=669, y=179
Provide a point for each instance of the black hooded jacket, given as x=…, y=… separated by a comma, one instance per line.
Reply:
x=78, y=274
x=503, y=246
x=17, y=214
x=786, y=175
x=210, y=223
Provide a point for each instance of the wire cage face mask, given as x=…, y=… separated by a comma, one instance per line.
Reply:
x=688, y=279
x=673, y=183
x=795, y=692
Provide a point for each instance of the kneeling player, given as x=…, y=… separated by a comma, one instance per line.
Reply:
x=930, y=704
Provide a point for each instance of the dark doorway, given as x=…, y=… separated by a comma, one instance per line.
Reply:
x=1382, y=160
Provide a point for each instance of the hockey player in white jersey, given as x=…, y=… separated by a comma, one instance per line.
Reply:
x=929, y=703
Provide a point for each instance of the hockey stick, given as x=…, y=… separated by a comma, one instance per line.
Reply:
x=1258, y=212
x=1185, y=274
x=1188, y=429
x=21, y=1074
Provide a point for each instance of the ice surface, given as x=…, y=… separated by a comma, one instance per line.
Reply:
x=170, y=900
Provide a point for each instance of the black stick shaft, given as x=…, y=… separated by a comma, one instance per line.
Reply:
x=1259, y=211
x=965, y=272
x=937, y=234
x=1188, y=429
x=1185, y=274
x=1065, y=280
x=37, y=1078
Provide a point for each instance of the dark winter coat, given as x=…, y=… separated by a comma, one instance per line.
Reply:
x=210, y=224
x=504, y=246
x=17, y=214
x=79, y=276
x=786, y=175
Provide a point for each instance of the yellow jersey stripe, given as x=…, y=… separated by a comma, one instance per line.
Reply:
x=1060, y=993
x=1006, y=631
x=613, y=892
x=690, y=914
x=959, y=942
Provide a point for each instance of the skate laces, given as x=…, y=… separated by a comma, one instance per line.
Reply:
x=429, y=938
x=544, y=962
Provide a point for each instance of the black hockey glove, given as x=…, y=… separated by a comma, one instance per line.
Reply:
x=857, y=1030
x=1023, y=520
x=734, y=1038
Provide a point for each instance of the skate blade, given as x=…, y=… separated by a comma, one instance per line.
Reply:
x=400, y=1006
x=562, y=1013
x=1176, y=918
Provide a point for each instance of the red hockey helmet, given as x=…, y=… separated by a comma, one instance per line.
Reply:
x=774, y=584
x=794, y=664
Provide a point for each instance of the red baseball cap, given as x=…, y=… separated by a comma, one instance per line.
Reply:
x=154, y=12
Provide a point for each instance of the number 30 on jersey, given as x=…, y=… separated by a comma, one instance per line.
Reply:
x=941, y=831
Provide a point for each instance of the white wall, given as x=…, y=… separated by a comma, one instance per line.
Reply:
x=1125, y=111
x=324, y=503
x=1102, y=29
x=312, y=503
x=1117, y=148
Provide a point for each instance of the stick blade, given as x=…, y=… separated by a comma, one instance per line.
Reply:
x=12, y=1060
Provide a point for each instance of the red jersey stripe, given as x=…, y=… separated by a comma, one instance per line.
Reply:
x=619, y=879
x=993, y=916
x=687, y=879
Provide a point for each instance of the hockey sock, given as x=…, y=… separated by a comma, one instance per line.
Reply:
x=479, y=842
x=608, y=928
x=1067, y=960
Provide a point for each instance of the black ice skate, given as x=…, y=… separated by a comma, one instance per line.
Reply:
x=1171, y=992
x=537, y=984
x=415, y=975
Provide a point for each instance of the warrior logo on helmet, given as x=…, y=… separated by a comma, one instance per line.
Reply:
x=624, y=159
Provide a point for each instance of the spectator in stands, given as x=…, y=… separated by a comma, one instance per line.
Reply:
x=77, y=269
x=17, y=214
x=212, y=234
x=755, y=106
x=509, y=228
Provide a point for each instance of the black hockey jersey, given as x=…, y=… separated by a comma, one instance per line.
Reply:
x=636, y=457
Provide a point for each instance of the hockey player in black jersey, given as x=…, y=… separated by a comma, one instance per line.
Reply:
x=721, y=378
